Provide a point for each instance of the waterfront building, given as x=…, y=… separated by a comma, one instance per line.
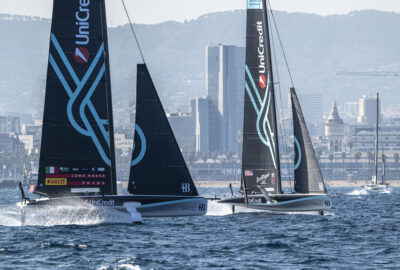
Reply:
x=225, y=91
x=367, y=110
x=335, y=130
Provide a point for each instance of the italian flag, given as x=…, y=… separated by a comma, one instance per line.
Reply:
x=51, y=170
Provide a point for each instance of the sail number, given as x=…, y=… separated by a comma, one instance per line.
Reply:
x=202, y=207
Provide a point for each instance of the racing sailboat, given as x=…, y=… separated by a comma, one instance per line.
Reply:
x=77, y=157
x=261, y=177
x=374, y=186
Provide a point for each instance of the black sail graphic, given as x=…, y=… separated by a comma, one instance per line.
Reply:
x=307, y=174
x=260, y=160
x=77, y=150
x=157, y=167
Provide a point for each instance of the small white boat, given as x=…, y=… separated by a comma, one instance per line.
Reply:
x=374, y=186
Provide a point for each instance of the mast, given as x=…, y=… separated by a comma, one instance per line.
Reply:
x=275, y=122
x=375, y=177
x=114, y=190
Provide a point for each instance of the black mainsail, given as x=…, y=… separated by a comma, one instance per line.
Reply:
x=77, y=151
x=307, y=174
x=260, y=160
x=157, y=167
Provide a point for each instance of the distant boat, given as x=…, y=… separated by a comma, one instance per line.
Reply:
x=374, y=186
x=261, y=177
x=77, y=157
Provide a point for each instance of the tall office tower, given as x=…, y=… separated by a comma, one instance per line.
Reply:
x=10, y=124
x=200, y=112
x=225, y=90
x=184, y=127
x=367, y=110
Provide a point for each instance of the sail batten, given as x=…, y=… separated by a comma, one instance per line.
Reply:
x=260, y=159
x=307, y=174
x=77, y=148
x=157, y=166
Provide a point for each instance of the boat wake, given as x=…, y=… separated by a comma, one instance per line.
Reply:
x=218, y=209
x=123, y=264
x=62, y=215
x=357, y=192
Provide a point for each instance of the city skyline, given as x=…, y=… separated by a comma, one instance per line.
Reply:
x=188, y=10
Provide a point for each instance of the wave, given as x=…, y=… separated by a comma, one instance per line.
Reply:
x=62, y=215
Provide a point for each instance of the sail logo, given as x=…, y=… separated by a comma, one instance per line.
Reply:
x=185, y=187
x=81, y=90
x=82, y=21
x=143, y=146
x=263, y=178
x=297, y=151
x=56, y=181
x=254, y=4
x=263, y=109
x=261, y=48
x=81, y=55
x=262, y=81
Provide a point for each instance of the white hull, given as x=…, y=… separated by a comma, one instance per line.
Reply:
x=310, y=203
x=136, y=206
x=376, y=188
x=187, y=207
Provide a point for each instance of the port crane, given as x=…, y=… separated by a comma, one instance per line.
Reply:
x=369, y=73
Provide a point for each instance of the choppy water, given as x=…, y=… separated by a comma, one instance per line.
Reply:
x=361, y=232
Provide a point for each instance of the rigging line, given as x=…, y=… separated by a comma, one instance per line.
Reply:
x=133, y=31
x=282, y=129
x=280, y=42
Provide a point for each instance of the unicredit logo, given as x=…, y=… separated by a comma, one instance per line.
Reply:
x=262, y=81
x=81, y=55
x=82, y=38
x=261, y=48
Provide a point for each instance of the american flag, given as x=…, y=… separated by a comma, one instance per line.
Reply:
x=248, y=173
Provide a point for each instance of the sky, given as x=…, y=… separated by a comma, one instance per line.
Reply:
x=156, y=11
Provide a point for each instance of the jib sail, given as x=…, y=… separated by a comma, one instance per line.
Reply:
x=260, y=161
x=157, y=167
x=77, y=150
x=307, y=174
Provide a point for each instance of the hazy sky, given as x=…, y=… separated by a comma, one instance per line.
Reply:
x=154, y=11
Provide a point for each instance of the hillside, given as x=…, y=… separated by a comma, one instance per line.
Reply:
x=316, y=47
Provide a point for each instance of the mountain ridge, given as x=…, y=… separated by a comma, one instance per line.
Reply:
x=316, y=46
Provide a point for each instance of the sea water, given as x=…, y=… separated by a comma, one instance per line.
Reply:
x=362, y=231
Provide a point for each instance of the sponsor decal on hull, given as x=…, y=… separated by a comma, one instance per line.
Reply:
x=101, y=202
x=56, y=181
